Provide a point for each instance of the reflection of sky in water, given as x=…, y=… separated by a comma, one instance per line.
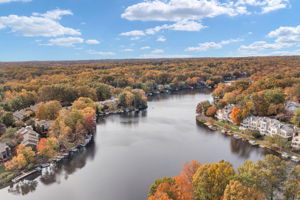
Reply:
x=132, y=150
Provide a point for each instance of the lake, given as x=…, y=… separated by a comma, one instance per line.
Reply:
x=132, y=150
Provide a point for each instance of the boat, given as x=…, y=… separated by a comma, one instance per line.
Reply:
x=236, y=137
x=74, y=150
x=295, y=159
x=285, y=155
x=224, y=132
x=65, y=154
x=88, y=139
x=39, y=169
x=45, y=165
x=253, y=142
x=211, y=127
x=59, y=158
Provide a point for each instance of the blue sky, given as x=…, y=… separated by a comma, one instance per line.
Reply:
x=101, y=29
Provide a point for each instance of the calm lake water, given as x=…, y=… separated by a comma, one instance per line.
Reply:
x=132, y=150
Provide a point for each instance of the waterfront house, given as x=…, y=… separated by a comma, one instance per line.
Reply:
x=43, y=124
x=268, y=126
x=21, y=115
x=292, y=106
x=5, y=152
x=109, y=103
x=225, y=114
x=30, y=137
x=296, y=140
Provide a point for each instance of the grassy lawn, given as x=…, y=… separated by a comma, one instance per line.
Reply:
x=2, y=169
x=231, y=126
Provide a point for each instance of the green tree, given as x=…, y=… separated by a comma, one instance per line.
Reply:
x=291, y=189
x=103, y=92
x=48, y=110
x=210, y=180
x=236, y=191
x=266, y=175
x=296, y=118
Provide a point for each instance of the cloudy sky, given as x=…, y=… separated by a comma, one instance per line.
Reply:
x=101, y=29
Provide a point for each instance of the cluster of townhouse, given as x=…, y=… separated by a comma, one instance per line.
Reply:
x=266, y=125
x=21, y=115
x=29, y=137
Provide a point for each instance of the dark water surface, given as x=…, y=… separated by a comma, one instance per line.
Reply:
x=132, y=150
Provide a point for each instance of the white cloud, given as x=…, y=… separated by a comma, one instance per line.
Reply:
x=284, y=37
x=179, y=26
x=92, y=42
x=145, y=48
x=128, y=50
x=178, y=10
x=65, y=42
x=54, y=14
x=212, y=45
x=161, y=39
x=286, y=34
x=188, y=14
x=286, y=53
x=9, y=1
x=157, y=51
x=263, y=45
x=101, y=53
x=43, y=25
x=165, y=56
x=265, y=5
x=133, y=33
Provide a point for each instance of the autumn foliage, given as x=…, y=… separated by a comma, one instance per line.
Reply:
x=262, y=180
x=234, y=115
x=236, y=191
x=47, y=147
x=24, y=156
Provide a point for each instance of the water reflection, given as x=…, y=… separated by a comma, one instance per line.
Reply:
x=23, y=187
x=55, y=172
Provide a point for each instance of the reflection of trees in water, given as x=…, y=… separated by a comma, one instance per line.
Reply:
x=242, y=148
x=54, y=173
x=179, y=94
x=23, y=187
x=126, y=119
x=50, y=174
x=68, y=167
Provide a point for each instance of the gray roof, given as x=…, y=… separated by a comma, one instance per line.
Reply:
x=3, y=147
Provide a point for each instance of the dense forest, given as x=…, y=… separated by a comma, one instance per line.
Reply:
x=24, y=84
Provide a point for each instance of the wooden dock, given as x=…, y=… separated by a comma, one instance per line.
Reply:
x=24, y=175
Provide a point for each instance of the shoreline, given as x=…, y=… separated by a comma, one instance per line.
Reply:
x=238, y=134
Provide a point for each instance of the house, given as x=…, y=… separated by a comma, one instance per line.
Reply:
x=296, y=140
x=43, y=124
x=225, y=113
x=292, y=106
x=21, y=115
x=30, y=137
x=268, y=126
x=110, y=102
x=5, y=152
